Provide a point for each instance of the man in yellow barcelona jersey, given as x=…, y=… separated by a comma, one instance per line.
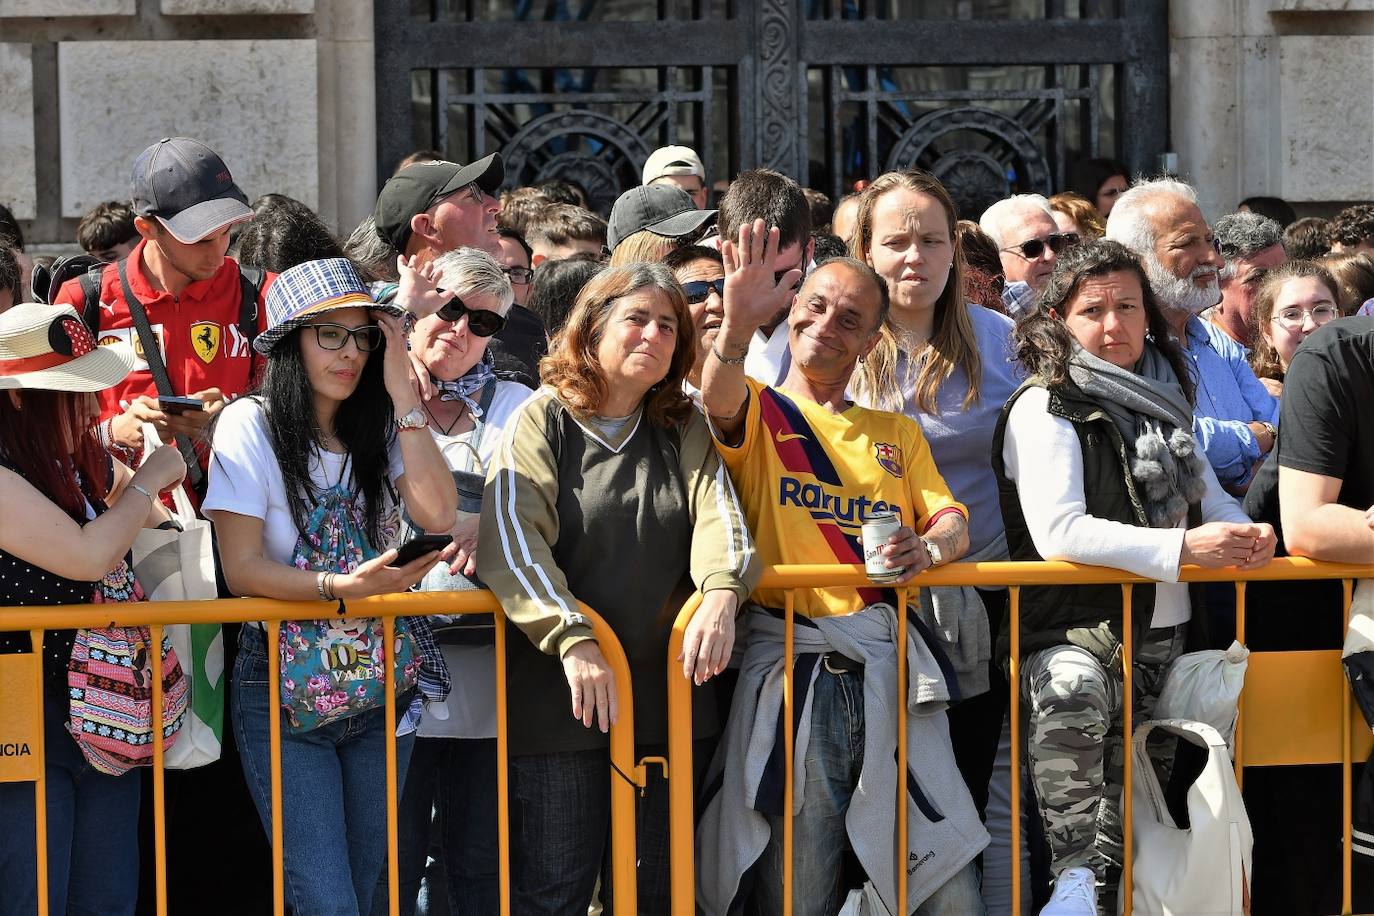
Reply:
x=810, y=468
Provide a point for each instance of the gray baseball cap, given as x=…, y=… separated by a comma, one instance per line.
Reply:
x=188, y=188
x=665, y=210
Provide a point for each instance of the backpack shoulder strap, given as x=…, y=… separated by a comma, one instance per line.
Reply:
x=90, y=291
x=251, y=280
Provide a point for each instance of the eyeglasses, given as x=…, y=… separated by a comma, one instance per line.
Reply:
x=1031, y=249
x=335, y=336
x=700, y=290
x=1293, y=318
x=521, y=275
x=482, y=322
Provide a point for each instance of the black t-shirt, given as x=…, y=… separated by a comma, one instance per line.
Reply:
x=518, y=347
x=1326, y=418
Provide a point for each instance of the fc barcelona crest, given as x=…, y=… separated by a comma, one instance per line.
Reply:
x=205, y=340
x=889, y=457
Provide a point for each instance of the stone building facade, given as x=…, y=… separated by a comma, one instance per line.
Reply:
x=1268, y=97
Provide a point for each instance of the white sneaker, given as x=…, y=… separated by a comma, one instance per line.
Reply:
x=1075, y=894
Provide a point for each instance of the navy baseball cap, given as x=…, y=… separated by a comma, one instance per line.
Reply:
x=188, y=188
x=416, y=188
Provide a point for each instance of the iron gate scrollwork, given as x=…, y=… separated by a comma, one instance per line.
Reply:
x=824, y=90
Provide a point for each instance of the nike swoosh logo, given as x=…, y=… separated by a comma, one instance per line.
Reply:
x=787, y=437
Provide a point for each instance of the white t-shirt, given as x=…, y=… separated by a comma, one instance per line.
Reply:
x=245, y=477
x=470, y=710
x=1044, y=449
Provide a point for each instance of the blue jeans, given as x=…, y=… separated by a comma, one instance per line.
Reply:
x=560, y=816
x=448, y=811
x=834, y=759
x=92, y=833
x=333, y=790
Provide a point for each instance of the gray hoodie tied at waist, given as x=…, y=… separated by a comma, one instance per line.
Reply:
x=944, y=831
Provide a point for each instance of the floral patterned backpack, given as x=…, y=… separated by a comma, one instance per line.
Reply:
x=334, y=668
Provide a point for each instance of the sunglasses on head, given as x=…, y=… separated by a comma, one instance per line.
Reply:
x=481, y=322
x=1034, y=248
x=700, y=290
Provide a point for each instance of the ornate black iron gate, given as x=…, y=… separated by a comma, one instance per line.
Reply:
x=993, y=96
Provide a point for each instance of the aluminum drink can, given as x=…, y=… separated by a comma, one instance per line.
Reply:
x=879, y=527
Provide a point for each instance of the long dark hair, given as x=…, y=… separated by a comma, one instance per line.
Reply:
x=1044, y=343
x=34, y=442
x=364, y=424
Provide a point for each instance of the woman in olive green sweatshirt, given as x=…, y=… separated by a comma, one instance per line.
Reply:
x=606, y=490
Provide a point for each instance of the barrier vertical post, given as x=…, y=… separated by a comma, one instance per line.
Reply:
x=159, y=791
x=682, y=856
x=502, y=773
x=393, y=870
x=1127, y=887
x=1014, y=712
x=1347, y=799
x=274, y=751
x=788, y=742
x=40, y=785
x=903, y=596
x=1238, y=745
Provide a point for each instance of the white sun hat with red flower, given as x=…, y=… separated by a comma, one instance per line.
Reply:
x=49, y=347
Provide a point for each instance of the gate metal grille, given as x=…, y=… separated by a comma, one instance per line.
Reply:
x=824, y=90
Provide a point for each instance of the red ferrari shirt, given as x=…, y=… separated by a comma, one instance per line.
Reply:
x=198, y=332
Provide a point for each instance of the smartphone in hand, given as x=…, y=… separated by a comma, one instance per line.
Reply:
x=178, y=405
x=420, y=545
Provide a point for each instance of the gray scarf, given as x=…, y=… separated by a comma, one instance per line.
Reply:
x=1148, y=406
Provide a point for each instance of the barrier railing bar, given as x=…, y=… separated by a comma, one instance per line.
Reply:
x=1014, y=714
x=274, y=751
x=789, y=738
x=904, y=595
x=393, y=869
x=1347, y=799
x=159, y=790
x=40, y=783
x=502, y=771
x=682, y=840
x=1236, y=745
x=1126, y=886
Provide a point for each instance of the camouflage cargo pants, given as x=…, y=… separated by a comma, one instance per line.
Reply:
x=1075, y=749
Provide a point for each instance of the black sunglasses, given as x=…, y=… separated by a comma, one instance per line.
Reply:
x=777, y=278
x=1034, y=248
x=482, y=322
x=335, y=336
x=518, y=274
x=700, y=290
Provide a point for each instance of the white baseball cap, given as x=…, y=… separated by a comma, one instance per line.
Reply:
x=673, y=160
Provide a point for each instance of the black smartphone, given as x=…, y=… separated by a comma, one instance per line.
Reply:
x=420, y=545
x=179, y=405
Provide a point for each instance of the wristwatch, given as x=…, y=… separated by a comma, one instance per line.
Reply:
x=933, y=549
x=413, y=420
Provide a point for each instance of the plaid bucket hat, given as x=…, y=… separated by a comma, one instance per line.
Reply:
x=313, y=288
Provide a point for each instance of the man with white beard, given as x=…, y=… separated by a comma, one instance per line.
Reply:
x=1235, y=416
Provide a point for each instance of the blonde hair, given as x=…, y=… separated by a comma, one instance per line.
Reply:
x=642, y=247
x=1081, y=211
x=953, y=343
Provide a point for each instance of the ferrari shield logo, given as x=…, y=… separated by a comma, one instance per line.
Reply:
x=889, y=458
x=205, y=340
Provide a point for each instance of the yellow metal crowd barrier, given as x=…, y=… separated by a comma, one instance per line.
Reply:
x=1295, y=707
x=242, y=610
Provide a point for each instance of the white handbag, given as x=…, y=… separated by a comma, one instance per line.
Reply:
x=178, y=564
x=1203, y=870
x=1205, y=686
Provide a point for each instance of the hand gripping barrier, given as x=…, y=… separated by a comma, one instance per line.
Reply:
x=1286, y=724
x=158, y=614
